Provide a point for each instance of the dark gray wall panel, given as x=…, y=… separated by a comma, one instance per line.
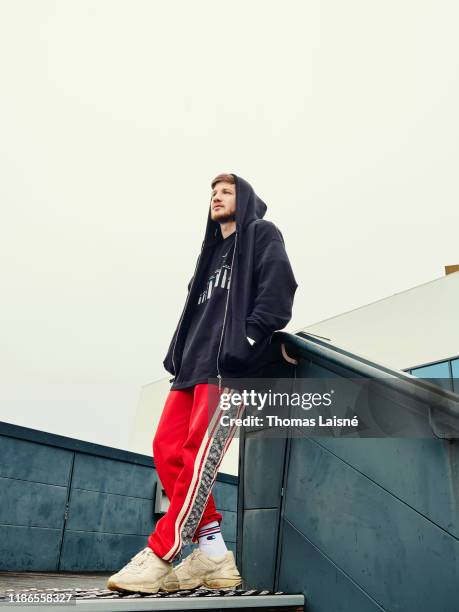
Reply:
x=35, y=462
x=264, y=459
x=383, y=544
x=412, y=469
x=32, y=504
x=259, y=550
x=375, y=522
x=98, y=552
x=94, y=511
x=314, y=370
x=225, y=496
x=304, y=569
x=111, y=476
x=228, y=525
x=111, y=502
x=29, y=549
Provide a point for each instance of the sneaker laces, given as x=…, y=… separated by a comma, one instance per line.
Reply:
x=140, y=558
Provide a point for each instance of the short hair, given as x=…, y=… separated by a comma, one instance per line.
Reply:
x=228, y=178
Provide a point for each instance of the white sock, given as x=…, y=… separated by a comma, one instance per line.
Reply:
x=211, y=541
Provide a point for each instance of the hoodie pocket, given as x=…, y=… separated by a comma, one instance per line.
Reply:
x=237, y=351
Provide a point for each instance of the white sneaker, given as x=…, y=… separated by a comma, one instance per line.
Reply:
x=143, y=574
x=198, y=569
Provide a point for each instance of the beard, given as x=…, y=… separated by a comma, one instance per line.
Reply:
x=226, y=218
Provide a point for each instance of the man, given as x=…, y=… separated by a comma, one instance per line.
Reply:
x=242, y=291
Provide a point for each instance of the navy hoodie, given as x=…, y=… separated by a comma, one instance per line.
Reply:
x=260, y=298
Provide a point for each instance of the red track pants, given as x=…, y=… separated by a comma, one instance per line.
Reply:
x=188, y=447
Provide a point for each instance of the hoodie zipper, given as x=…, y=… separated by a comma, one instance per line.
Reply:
x=184, y=309
x=224, y=318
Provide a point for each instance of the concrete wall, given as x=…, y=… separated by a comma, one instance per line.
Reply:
x=75, y=506
x=358, y=525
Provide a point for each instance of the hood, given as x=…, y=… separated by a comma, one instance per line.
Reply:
x=249, y=207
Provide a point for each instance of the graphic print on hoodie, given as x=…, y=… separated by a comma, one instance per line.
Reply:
x=199, y=358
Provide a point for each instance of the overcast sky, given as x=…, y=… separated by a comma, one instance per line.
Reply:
x=115, y=116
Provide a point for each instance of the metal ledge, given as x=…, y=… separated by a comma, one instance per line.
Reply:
x=93, y=600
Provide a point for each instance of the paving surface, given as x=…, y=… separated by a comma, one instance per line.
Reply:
x=49, y=580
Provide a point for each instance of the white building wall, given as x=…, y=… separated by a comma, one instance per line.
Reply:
x=410, y=328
